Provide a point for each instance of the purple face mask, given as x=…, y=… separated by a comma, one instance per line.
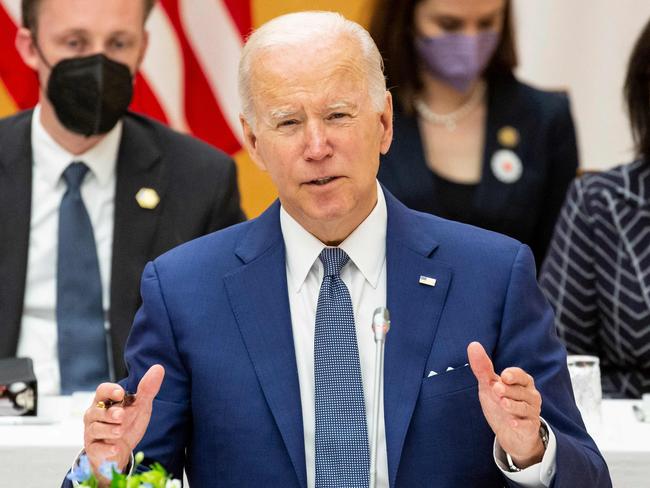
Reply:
x=457, y=59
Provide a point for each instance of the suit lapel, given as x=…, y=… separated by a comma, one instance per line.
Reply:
x=265, y=326
x=15, y=216
x=139, y=165
x=415, y=311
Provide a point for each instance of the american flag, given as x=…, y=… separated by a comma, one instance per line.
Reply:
x=188, y=78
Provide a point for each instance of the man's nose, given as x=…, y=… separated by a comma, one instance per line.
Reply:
x=96, y=46
x=317, y=146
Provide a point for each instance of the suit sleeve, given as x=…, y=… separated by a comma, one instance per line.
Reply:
x=567, y=277
x=528, y=340
x=152, y=342
x=226, y=209
x=563, y=166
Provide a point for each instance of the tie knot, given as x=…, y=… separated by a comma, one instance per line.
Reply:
x=74, y=175
x=333, y=259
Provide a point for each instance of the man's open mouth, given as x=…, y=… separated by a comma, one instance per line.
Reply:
x=323, y=181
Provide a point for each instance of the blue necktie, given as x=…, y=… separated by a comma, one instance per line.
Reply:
x=83, y=355
x=342, y=452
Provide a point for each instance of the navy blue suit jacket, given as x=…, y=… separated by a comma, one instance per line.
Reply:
x=526, y=209
x=216, y=315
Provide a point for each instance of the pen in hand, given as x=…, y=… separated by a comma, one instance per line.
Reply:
x=127, y=400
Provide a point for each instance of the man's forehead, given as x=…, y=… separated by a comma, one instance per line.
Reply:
x=320, y=94
x=279, y=111
x=335, y=78
x=319, y=60
x=92, y=15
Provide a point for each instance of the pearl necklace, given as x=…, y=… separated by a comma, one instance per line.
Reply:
x=451, y=119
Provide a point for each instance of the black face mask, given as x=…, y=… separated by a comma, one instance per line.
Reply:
x=90, y=94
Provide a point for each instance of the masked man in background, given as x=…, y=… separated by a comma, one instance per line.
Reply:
x=90, y=192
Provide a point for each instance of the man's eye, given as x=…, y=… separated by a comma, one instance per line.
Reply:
x=75, y=43
x=121, y=42
x=117, y=44
x=287, y=123
x=337, y=115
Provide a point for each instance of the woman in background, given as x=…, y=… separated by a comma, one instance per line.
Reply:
x=471, y=142
x=597, y=272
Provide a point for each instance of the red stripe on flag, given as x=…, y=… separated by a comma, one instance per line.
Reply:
x=202, y=111
x=145, y=101
x=240, y=11
x=21, y=81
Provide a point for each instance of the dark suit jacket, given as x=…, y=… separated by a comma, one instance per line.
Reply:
x=197, y=185
x=216, y=315
x=596, y=275
x=526, y=209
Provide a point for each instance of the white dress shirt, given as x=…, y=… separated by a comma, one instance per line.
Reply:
x=365, y=277
x=38, y=330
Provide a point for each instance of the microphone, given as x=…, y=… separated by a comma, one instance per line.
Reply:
x=380, y=327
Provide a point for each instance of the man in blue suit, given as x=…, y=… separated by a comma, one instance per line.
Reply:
x=249, y=326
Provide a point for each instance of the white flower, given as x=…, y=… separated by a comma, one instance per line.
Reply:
x=173, y=484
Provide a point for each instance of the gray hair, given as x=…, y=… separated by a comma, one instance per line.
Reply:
x=304, y=28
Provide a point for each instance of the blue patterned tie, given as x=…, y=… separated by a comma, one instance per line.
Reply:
x=83, y=359
x=342, y=452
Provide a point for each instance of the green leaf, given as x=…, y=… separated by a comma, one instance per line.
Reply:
x=139, y=457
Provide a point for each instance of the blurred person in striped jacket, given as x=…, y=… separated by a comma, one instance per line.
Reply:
x=597, y=271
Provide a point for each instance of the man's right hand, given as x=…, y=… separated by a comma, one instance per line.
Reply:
x=111, y=434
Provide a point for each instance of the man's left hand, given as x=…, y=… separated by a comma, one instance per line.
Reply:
x=511, y=405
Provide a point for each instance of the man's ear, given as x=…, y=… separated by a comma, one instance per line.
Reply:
x=27, y=48
x=250, y=143
x=386, y=120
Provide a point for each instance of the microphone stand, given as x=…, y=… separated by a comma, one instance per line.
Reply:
x=380, y=327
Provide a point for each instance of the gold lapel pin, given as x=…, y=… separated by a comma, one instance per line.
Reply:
x=426, y=280
x=147, y=198
x=508, y=136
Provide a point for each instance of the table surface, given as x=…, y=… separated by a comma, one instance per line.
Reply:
x=34, y=453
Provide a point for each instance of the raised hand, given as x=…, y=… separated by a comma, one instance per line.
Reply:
x=111, y=434
x=511, y=405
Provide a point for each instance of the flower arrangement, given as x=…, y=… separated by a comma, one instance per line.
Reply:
x=155, y=477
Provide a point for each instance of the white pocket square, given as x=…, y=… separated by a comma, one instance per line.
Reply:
x=449, y=368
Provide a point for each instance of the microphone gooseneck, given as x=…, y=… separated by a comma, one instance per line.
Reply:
x=380, y=327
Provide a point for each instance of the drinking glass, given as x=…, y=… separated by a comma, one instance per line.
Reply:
x=585, y=379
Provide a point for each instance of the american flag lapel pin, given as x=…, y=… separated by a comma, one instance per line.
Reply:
x=427, y=280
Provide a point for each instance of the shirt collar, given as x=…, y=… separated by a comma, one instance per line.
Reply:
x=54, y=159
x=366, y=246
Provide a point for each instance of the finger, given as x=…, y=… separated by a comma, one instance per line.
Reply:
x=104, y=432
x=517, y=392
x=525, y=426
x=103, y=393
x=113, y=415
x=522, y=410
x=517, y=376
x=150, y=383
x=480, y=363
x=108, y=391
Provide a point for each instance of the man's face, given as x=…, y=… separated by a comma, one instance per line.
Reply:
x=317, y=134
x=75, y=28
